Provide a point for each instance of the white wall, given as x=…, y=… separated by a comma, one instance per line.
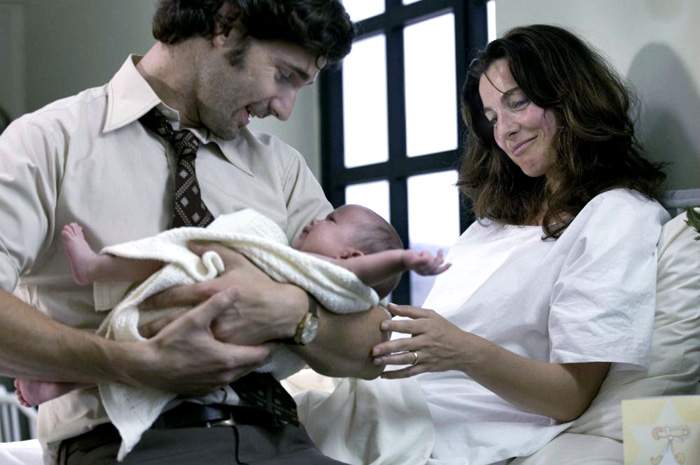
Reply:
x=655, y=44
x=75, y=44
x=60, y=47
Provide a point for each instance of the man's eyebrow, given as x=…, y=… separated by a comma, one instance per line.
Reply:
x=301, y=72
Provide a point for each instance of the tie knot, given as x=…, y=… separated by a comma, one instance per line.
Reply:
x=184, y=142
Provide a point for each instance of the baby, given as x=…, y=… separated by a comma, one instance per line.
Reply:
x=351, y=236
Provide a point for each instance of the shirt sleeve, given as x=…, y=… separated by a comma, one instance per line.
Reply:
x=602, y=306
x=29, y=181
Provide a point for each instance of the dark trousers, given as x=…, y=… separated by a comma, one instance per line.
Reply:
x=219, y=445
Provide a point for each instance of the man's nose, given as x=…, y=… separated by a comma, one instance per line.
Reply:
x=283, y=104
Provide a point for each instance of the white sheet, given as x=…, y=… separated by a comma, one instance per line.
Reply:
x=380, y=422
x=21, y=453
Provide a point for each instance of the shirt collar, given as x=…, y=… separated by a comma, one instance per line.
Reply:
x=129, y=97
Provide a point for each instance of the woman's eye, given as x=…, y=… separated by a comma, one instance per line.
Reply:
x=519, y=103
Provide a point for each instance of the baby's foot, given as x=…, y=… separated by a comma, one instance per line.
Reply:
x=80, y=255
x=19, y=392
x=31, y=393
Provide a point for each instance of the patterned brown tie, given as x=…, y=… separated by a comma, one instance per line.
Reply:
x=262, y=391
x=189, y=208
x=257, y=390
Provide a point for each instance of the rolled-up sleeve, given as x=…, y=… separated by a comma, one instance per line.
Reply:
x=30, y=165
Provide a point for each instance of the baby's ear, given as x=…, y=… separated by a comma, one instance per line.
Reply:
x=350, y=252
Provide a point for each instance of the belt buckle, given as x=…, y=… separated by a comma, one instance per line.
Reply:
x=223, y=422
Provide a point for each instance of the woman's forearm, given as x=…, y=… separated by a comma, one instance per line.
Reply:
x=559, y=391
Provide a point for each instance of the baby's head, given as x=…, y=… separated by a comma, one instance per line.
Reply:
x=349, y=231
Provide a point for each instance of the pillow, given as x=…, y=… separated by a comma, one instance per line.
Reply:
x=674, y=367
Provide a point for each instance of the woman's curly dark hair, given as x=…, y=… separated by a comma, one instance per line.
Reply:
x=322, y=27
x=595, y=146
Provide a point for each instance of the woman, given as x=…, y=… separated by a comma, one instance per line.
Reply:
x=554, y=285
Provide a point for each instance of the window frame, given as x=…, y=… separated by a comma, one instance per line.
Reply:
x=470, y=35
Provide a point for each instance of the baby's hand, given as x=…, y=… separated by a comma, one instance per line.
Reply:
x=424, y=263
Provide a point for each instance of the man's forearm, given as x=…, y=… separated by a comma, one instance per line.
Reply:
x=183, y=357
x=34, y=346
x=344, y=342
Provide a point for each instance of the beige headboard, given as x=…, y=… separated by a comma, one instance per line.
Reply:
x=676, y=201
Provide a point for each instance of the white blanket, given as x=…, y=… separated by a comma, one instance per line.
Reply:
x=133, y=410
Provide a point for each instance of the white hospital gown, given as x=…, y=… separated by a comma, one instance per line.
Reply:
x=589, y=296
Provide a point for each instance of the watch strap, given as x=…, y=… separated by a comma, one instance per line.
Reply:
x=311, y=313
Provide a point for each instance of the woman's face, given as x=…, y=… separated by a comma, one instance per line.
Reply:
x=524, y=131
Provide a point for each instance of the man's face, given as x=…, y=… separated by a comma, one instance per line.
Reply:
x=264, y=81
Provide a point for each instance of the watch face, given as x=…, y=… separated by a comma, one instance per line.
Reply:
x=310, y=330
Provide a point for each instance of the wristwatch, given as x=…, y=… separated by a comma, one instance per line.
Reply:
x=308, y=326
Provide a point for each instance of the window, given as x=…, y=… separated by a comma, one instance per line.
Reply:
x=391, y=130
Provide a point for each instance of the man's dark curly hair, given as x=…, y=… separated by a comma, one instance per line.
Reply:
x=595, y=144
x=322, y=27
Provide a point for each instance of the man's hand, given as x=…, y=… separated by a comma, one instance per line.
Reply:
x=184, y=357
x=258, y=309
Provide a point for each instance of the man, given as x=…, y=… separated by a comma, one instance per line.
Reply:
x=215, y=65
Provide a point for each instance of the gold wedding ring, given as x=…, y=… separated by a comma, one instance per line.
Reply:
x=415, y=357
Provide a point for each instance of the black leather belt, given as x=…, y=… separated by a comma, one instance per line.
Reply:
x=189, y=414
x=192, y=415
x=185, y=415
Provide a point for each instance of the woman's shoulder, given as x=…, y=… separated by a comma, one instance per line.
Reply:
x=623, y=201
x=620, y=209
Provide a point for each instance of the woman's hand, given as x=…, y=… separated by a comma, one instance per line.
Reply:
x=557, y=390
x=435, y=343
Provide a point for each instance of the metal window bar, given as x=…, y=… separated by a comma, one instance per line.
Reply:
x=470, y=35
